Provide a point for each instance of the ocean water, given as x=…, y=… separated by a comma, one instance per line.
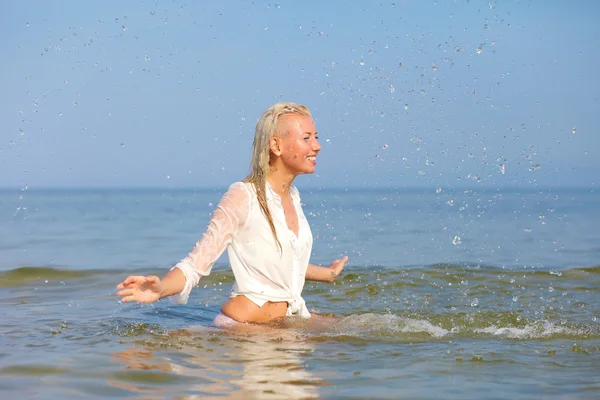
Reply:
x=448, y=294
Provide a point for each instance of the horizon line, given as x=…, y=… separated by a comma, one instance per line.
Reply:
x=324, y=188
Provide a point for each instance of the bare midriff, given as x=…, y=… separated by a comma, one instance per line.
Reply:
x=242, y=309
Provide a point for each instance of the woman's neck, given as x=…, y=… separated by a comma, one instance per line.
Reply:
x=280, y=182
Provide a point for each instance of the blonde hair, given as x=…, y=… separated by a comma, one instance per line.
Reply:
x=266, y=129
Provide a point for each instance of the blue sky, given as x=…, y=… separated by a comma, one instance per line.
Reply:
x=404, y=93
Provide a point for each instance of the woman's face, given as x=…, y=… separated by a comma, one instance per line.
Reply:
x=298, y=143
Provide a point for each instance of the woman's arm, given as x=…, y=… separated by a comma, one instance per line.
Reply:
x=325, y=274
x=229, y=216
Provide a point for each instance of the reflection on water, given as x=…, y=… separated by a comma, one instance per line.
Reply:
x=245, y=362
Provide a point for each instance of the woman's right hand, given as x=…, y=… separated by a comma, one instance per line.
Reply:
x=142, y=289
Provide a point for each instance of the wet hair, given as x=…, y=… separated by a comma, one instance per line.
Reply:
x=266, y=129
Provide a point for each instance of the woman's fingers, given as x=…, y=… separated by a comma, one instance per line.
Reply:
x=127, y=299
x=131, y=281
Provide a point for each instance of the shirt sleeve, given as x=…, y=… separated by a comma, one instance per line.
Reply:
x=228, y=218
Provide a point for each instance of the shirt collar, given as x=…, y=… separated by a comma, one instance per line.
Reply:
x=272, y=196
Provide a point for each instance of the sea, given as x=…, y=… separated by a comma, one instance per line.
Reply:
x=477, y=293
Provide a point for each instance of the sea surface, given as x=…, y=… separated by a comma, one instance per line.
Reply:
x=448, y=293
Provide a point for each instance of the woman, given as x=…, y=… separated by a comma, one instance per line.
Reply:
x=261, y=223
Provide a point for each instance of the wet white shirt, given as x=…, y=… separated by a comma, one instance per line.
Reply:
x=262, y=271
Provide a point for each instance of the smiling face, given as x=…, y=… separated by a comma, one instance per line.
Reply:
x=296, y=144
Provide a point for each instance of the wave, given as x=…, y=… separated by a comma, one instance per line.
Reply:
x=377, y=275
x=24, y=275
x=396, y=328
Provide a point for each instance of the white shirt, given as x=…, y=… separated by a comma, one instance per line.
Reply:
x=262, y=271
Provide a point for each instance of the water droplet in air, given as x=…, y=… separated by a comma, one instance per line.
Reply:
x=384, y=147
x=406, y=106
x=450, y=202
x=456, y=241
x=502, y=168
x=168, y=176
x=527, y=229
x=574, y=130
x=243, y=117
x=362, y=61
x=438, y=190
x=515, y=298
x=475, y=302
x=434, y=68
x=22, y=132
x=392, y=88
x=382, y=114
x=146, y=58
x=479, y=50
x=535, y=167
x=122, y=144
x=551, y=289
x=266, y=28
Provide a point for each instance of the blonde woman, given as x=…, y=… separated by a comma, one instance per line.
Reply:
x=261, y=223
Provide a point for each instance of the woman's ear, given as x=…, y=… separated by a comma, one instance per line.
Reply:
x=275, y=146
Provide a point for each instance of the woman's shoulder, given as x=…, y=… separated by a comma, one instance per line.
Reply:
x=241, y=191
x=240, y=187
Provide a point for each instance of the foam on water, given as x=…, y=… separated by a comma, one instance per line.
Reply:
x=387, y=325
x=540, y=330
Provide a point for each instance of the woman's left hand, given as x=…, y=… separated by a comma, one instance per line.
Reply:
x=337, y=266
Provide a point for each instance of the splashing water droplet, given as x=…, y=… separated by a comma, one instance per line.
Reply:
x=384, y=147
x=475, y=302
x=527, y=229
x=502, y=168
x=456, y=241
x=438, y=190
x=479, y=50
x=392, y=88
x=535, y=167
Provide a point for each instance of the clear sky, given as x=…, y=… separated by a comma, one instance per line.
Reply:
x=406, y=93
